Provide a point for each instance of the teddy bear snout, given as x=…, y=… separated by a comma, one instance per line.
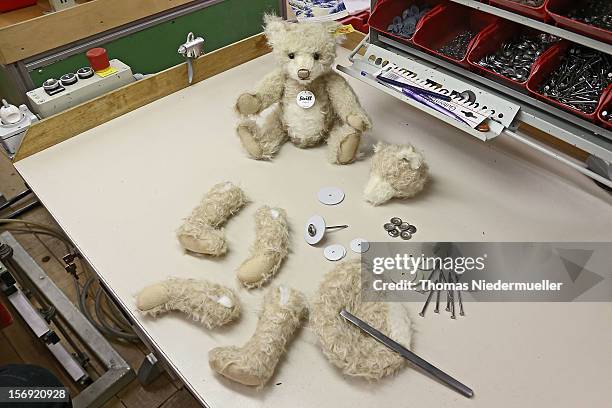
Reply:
x=303, y=73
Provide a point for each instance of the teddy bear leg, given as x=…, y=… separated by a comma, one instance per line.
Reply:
x=210, y=304
x=254, y=363
x=269, y=249
x=262, y=144
x=201, y=232
x=343, y=144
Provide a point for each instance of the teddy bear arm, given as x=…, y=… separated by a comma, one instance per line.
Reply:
x=270, y=89
x=346, y=104
x=267, y=92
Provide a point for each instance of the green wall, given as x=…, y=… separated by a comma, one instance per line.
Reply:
x=155, y=49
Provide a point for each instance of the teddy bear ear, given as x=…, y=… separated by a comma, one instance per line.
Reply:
x=273, y=27
x=411, y=156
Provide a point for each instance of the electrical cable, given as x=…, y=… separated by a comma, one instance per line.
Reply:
x=104, y=329
x=120, y=330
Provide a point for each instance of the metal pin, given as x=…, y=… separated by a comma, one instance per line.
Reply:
x=448, y=295
x=312, y=230
x=437, y=309
x=452, y=296
x=422, y=312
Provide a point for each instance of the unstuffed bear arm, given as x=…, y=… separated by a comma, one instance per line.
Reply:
x=268, y=91
x=346, y=104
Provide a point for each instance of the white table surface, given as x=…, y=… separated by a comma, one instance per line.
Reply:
x=120, y=191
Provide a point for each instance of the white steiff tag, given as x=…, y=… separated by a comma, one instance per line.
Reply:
x=305, y=99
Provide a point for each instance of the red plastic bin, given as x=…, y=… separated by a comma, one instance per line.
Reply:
x=385, y=10
x=542, y=69
x=490, y=40
x=359, y=21
x=443, y=24
x=557, y=10
x=538, y=13
x=8, y=5
x=5, y=317
x=606, y=105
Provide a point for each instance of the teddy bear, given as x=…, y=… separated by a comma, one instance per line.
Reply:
x=313, y=102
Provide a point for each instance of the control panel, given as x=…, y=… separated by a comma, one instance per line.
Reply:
x=72, y=89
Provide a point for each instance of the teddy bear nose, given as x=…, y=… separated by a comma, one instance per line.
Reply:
x=303, y=73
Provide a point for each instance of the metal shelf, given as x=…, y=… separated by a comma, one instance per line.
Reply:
x=563, y=125
x=538, y=25
x=560, y=124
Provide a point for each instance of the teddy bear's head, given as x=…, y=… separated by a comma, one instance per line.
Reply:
x=304, y=50
x=397, y=171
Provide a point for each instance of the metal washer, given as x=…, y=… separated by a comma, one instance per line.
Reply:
x=334, y=252
x=389, y=227
x=396, y=221
x=404, y=226
x=319, y=227
x=331, y=195
x=360, y=245
x=405, y=235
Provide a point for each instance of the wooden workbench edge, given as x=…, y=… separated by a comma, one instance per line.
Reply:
x=28, y=38
x=88, y=115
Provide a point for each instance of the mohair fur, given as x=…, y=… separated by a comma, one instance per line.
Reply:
x=201, y=231
x=345, y=346
x=203, y=301
x=270, y=248
x=336, y=116
x=253, y=364
x=398, y=171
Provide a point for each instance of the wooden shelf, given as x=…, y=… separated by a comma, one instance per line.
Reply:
x=32, y=30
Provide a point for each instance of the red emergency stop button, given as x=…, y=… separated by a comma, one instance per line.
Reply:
x=98, y=59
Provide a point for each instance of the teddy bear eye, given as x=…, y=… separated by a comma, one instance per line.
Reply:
x=316, y=56
x=291, y=55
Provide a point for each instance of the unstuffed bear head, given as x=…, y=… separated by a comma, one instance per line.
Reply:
x=304, y=50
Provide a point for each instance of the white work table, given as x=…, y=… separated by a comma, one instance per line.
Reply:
x=120, y=190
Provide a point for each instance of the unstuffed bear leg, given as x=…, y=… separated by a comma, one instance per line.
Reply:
x=270, y=248
x=201, y=232
x=254, y=363
x=210, y=304
x=262, y=143
x=343, y=144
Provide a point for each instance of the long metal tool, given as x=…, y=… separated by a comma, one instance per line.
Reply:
x=409, y=355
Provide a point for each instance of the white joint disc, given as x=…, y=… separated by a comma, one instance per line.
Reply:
x=334, y=252
x=314, y=229
x=360, y=245
x=330, y=195
x=225, y=301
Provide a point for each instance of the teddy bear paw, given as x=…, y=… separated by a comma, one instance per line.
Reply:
x=357, y=122
x=348, y=149
x=248, y=104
